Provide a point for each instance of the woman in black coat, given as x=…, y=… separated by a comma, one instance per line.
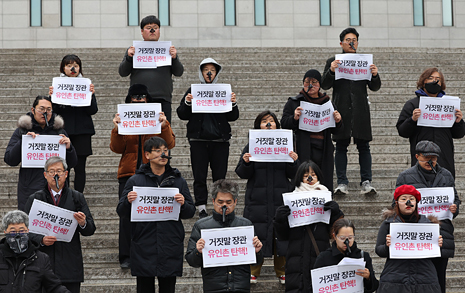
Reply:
x=344, y=229
x=430, y=84
x=267, y=181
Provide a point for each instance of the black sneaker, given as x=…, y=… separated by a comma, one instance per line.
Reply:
x=203, y=214
x=125, y=265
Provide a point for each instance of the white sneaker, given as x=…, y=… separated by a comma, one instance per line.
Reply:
x=253, y=279
x=367, y=189
x=341, y=189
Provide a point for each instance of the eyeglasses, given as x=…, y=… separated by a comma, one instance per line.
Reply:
x=435, y=159
x=405, y=200
x=58, y=172
x=138, y=97
x=313, y=81
x=14, y=233
x=343, y=238
x=347, y=41
x=42, y=110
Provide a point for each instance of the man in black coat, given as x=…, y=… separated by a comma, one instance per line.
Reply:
x=427, y=173
x=65, y=257
x=225, y=278
x=351, y=100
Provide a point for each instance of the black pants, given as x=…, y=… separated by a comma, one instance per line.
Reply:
x=364, y=160
x=80, y=174
x=202, y=153
x=441, y=265
x=147, y=284
x=73, y=287
x=124, y=227
x=165, y=107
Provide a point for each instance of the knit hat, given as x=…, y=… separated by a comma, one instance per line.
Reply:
x=427, y=148
x=138, y=89
x=312, y=73
x=407, y=189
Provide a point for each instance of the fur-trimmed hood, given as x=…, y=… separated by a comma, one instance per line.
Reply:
x=390, y=213
x=28, y=122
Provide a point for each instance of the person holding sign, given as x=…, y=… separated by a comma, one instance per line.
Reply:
x=157, y=247
x=430, y=84
x=344, y=245
x=209, y=135
x=266, y=183
x=66, y=257
x=405, y=275
x=305, y=242
x=158, y=80
x=40, y=121
x=78, y=121
x=428, y=174
x=315, y=146
x=230, y=278
x=351, y=99
x=132, y=157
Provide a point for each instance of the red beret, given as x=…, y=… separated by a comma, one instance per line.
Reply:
x=407, y=189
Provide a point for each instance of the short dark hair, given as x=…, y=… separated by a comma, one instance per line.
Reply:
x=225, y=186
x=341, y=223
x=70, y=59
x=148, y=20
x=154, y=142
x=427, y=73
x=38, y=98
x=258, y=120
x=303, y=168
x=349, y=30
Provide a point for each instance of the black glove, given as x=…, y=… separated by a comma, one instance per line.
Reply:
x=282, y=213
x=331, y=205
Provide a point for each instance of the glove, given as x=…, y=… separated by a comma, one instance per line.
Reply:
x=282, y=213
x=331, y=205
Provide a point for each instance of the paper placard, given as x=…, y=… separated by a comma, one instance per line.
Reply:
x=139, y=118
x=36, y=151
x=316, y=118
x=354, y=66
x=418, y=240
x=436, y=201
x=307, y=207
x=438, y=112
x=211, y=98
x=155, y=204
x=151, y=54
x=337, y=278
x=72, y=91
x=49, y=220
x=228, y=246
x=271, y=145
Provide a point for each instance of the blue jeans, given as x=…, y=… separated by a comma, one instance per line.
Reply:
x=364, y=160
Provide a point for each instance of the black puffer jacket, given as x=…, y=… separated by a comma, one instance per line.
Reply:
x=404, y=275
x=413, y=176
x=66, y=257
x=350, y=98
x=32, y=179
x=332, y=256
x=157, y=247
x=32, y=276
x=220, y=279
x=78, y=120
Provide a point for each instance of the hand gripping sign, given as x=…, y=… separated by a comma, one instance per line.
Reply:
x=438, y=112
x=211, y=98
x=272, y=145
x=71, y=91
x=307, y=207
x=155, y=204
x=150, y=54
x=418, y=240
x=35, y=151
x=337, y=278
x=316, y=118
x=139, y=118
x=354, y=66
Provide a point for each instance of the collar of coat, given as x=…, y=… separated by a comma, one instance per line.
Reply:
x=7, y=252
x=219, y=218
x=28, y=122
x=390, y=215
x=301, y=97
x=355, y=251
x=170, y=173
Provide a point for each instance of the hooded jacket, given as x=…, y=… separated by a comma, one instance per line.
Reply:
x=207, y=126
x=32, y=179
x=441, y=136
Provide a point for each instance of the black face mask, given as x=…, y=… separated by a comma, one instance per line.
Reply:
x=433, y=87
x=18, y=243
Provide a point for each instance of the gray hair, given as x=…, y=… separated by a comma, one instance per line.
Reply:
x=15, y=217
x=54, y=160
x=225, y=186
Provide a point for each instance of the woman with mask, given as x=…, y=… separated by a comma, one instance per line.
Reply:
x=430, y=84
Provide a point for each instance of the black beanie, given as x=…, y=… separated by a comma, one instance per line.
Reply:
x=312, y=73
x=138, y=89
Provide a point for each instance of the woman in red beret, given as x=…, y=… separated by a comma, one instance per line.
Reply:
x=405, y=275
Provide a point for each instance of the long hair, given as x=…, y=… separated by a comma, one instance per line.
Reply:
x=303, y=168
x=427, y=73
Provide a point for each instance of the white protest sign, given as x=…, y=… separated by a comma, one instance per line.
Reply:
x=315, y=118
x=436, y=201
x=438, y=112
x=49, y=220
x=35, y=151
x=337, y=278
x=155, y=204
x=307, y=207
x=150, y=54
x=271, y=145
x=228, y=246
x=354, y=66
x=418, y=240
x=71, y=91
x=139, y=118
x=211, y=98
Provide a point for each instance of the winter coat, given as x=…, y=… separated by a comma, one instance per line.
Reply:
x=301, y=254
x=32, y=179
x=302, y=137
x=351, y=99
x=413, y=176
x=441, y=136
x=264, y=194
x=157, y=247
x=225, y=278
x=332, y=256
x=66, y=257
x=200, y=124
x=404, y=275
x=32, y=276
x=128, y=147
